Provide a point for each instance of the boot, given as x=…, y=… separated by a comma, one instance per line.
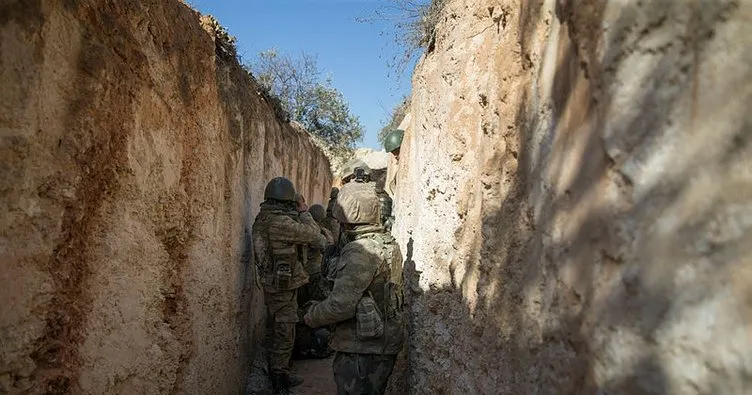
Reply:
x=282, y=382
x=279, y=384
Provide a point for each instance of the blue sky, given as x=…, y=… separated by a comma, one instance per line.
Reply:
x=354, y=54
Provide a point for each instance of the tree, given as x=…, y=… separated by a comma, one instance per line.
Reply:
x=309, y=99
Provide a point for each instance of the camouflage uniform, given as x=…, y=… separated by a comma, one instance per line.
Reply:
x=280, y=236
x=329, y=222
x=362, y=373
x=349, y=174
x=392, y=144
x=370, y=264
x=315, y=289
x=309, y=342
x=390, y=185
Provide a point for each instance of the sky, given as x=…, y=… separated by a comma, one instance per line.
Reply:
x=353, y=53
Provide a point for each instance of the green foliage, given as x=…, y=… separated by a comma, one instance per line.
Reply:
x=395, y=119
x=328, y=116
x=226, y=43
x=309, y=99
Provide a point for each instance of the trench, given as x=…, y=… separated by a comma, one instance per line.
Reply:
x=573, y=201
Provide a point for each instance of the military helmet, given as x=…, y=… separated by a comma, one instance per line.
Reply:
x=348, y=170
x=280, y=188
x=333, y=194
x=393, y=140
x=318, y=212
x=358, y=203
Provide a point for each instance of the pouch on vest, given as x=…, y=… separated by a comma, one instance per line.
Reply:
x=393, y=300
x=283, y=276
x=369, y=324
x=284, y=259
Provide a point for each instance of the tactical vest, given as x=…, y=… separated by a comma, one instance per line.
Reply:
x=386, y=286
x=280, y=270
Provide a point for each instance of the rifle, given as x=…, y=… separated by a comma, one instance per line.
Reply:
x=387, y=220
x=330, y=252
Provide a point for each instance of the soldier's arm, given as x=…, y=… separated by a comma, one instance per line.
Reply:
x=259, y=248
x=357, y=268
x=328, y=235
x=260, y=243
x=304, y=232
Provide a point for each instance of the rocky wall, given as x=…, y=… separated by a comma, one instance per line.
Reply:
x=575, y=199
x=132, y=162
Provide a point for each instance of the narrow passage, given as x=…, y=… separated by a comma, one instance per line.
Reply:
x=317, y=374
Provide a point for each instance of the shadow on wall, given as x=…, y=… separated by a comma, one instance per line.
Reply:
x=233, y=85
x=595, y=265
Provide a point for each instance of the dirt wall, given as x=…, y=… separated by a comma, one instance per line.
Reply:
x=132, y=163
x=575, y=199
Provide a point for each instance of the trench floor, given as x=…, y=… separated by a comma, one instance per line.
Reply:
x=317, y=374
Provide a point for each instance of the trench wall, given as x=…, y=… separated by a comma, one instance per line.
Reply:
x=575, y=199
x=133, y=156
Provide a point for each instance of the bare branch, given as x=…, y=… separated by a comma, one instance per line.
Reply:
x=413, y=25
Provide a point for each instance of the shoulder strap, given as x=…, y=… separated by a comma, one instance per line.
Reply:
x=385, y=251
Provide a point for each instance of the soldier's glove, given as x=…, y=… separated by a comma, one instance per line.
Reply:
x=320, y=243
x=308, y=306
x=307, y=320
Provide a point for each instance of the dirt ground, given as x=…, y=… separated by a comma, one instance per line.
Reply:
x=318, y=376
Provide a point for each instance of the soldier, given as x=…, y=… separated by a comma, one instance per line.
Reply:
x=366, y=302
x=281, y=232
x=392, y=144
x=318, y=213
x=351, y=173
x=308, y=342
x=329, y=222
x=357, y=171
x=332, y=199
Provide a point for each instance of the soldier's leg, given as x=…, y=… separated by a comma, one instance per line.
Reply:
x=269, y=330
x=320, y=343
x=282, y=308
x=379, y=369
x=302, y=340
x=346, y=374
x=362, y=374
